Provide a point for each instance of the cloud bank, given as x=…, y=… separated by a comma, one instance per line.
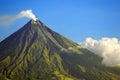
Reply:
x=107, y=48
x=8, y=19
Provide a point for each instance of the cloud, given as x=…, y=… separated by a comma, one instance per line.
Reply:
x=107, y=48
x=26, y=13
x=8, y=19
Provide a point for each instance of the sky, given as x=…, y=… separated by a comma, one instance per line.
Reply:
x=75, y=19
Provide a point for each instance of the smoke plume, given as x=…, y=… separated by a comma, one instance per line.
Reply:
x=8, y=19
x=107, y=48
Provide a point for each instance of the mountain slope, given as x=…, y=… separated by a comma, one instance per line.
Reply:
x=35, y=52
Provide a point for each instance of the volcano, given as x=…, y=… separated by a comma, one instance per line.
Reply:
x=36, y=52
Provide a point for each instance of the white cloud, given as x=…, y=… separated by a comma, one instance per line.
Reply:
x=108, y=48
x=8, y=19
x=26, y=13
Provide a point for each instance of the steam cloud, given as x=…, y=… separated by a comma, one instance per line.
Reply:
x=7, y=19
x=107, y=48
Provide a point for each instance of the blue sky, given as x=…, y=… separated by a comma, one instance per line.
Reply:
x=75, y=19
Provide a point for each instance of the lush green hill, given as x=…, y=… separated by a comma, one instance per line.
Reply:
x=35, y=52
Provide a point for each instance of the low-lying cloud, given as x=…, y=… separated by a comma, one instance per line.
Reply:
x=107, y=48
x=8, y=19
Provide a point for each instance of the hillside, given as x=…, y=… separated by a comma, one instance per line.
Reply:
x=36, y=52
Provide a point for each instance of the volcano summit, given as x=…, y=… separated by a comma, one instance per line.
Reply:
x=36, y=52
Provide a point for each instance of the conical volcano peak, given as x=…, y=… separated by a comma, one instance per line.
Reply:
x=34, y=21
x=36, y=52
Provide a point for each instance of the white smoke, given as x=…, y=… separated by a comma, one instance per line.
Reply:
x=107, y=48
x=8, y=19
x=26, y=13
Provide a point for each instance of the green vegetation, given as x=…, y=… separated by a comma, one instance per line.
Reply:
x=82, y=68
